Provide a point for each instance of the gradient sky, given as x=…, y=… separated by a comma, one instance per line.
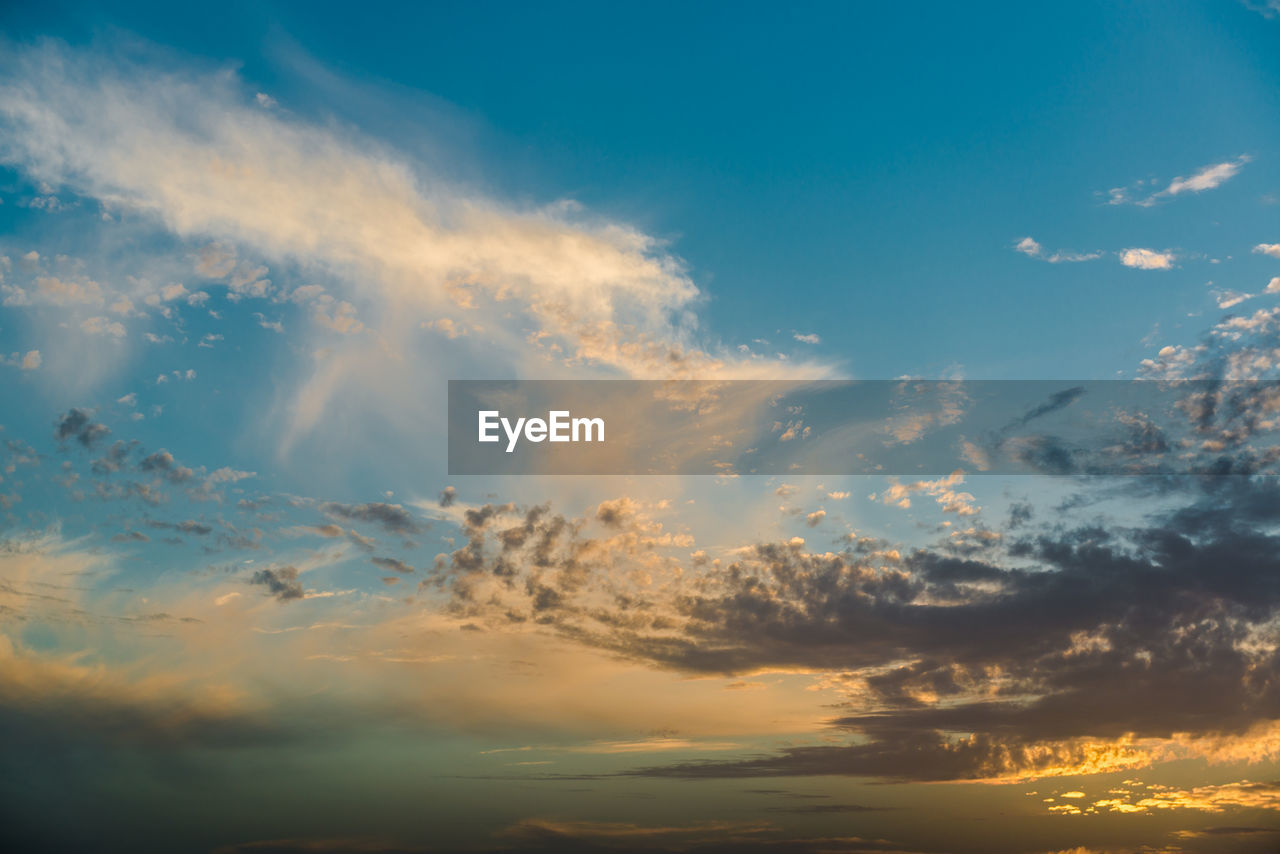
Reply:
x=244, y=608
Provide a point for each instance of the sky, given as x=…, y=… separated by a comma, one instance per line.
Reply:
x=244, y=607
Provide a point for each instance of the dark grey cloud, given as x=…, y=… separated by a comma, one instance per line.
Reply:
x=131, y=536
x=1095, y=632
x=392, y=517
x=1056, y=402
x=78, y=424
x=163, y=463
x=190, y=526
x=392, y=564
x=115, y=459
x=281, y=582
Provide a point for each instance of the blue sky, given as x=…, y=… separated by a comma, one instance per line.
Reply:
x=243, y=248
x=888, y=157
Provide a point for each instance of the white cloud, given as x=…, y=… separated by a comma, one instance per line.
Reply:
x=1147, y=259
x=1032, y=249
x=103, y=326
x=809, y=338
x=1272, y=249
x=1206, y=178
x=943, y=491
x=29, y=361
x=1265, y=8
x=1227, y=299
x=1214, y=175
x=200, y=157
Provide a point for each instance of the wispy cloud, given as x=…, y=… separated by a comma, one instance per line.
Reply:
x=198, y=156
x=1206, y=178
x=1032, y=249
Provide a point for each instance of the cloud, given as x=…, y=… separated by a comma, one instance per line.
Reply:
x=1210, y=799
x=393, y=564
x=163, y=463
x=198, y=157
x=103, y=326
x=1032, y=249
x=1272, y=249
x=1206, y=178
x=282, y=582
x=1063, y=651
x=78, y=424
x=1265, y=8
x=1147, y=259
x=392, y=517
x=809, y=338
x=29, y=361
x=942, y=490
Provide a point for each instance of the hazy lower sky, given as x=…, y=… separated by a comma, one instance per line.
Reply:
x=245, y=608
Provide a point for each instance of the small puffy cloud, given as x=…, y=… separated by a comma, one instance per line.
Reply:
x=343, y=320
x=130, y=399
x=807, y=338
x=28, y=361
x=815, y=518
x=172, y=292
x=216, y=261
x=1147, y=259
x=448, y=495
x=227, y=475
x=57, y=291
x=163, y=463
x=1272, y=249
x=78, y=424
x=445, y=326
x=103, y=326
x=273, y=325
x=942, y=490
